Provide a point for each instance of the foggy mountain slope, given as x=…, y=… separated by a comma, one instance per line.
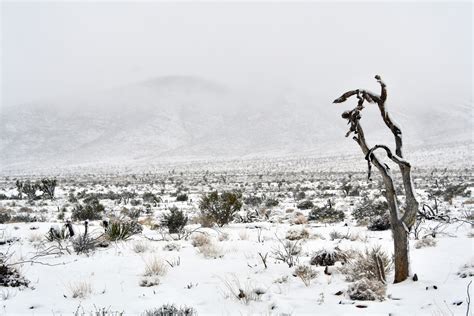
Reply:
x=190, y=118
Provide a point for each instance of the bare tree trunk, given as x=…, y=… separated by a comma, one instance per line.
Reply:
x=401, y=225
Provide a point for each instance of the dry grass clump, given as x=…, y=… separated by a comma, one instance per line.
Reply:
x=199, y=240
x=211, y=251
x=155, y=267
x=300, y=219
x=305, y=273
x=243, y=292
x=297, y=234
x=80, y=289
x=426, y=242
x=140, y=246
x=367, y=290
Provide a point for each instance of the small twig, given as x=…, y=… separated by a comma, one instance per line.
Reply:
x=468, y=301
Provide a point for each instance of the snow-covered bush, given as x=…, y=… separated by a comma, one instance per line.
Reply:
x=10, y=276
x=300, y=219
x=170, y=310
x=221, y=207
x=368, y=210
x=467, y=270
x=379, y=223
x=148, y=281
x=326, y=214
x=4, y=216
x=426, y=242
x=373, y=264
x=175, y=220
x=297, y=234
x=328, y=257
x=89, y=211
x=305, y=273
x=172, y=246
x=367, y=290
x=305, y=205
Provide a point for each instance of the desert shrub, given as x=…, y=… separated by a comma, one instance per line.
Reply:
x=466, y=270
x=300, y=220
x=425, y=242
x=326, y=214
x=253, y=201
x=198, y=240
x=453, y=190
x=122, y=229
x=221, y=208
x=182, y=197
x=367, y=290
x=305, y=273
x=4, y=216
x=90, y=211
x=149, y=197
x=372, y=264
x=379, y=223
x=305, y=205
x=10, y=276
x=328, y=257
x=172, y=246
x=297, y=233
x=299, y=195
x=25, y=218
x=148, y=281
x=271, y=202
x=288, y=252
x=170, y=310
x=369, y=210
x=175, y=221
x=135, y=202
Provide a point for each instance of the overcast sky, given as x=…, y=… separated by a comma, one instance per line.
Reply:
x=51, y=49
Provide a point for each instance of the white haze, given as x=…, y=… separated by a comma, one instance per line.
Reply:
x=275, y=66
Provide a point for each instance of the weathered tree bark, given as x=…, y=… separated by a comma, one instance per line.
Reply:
x=401, y=224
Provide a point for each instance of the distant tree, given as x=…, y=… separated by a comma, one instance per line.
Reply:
x=401, y=224
x=47, y=186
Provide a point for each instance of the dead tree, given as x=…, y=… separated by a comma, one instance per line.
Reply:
x=400, y=223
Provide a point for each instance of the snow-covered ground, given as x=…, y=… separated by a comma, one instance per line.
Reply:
x=113, y=274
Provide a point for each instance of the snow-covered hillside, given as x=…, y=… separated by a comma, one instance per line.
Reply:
x=178, y=117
